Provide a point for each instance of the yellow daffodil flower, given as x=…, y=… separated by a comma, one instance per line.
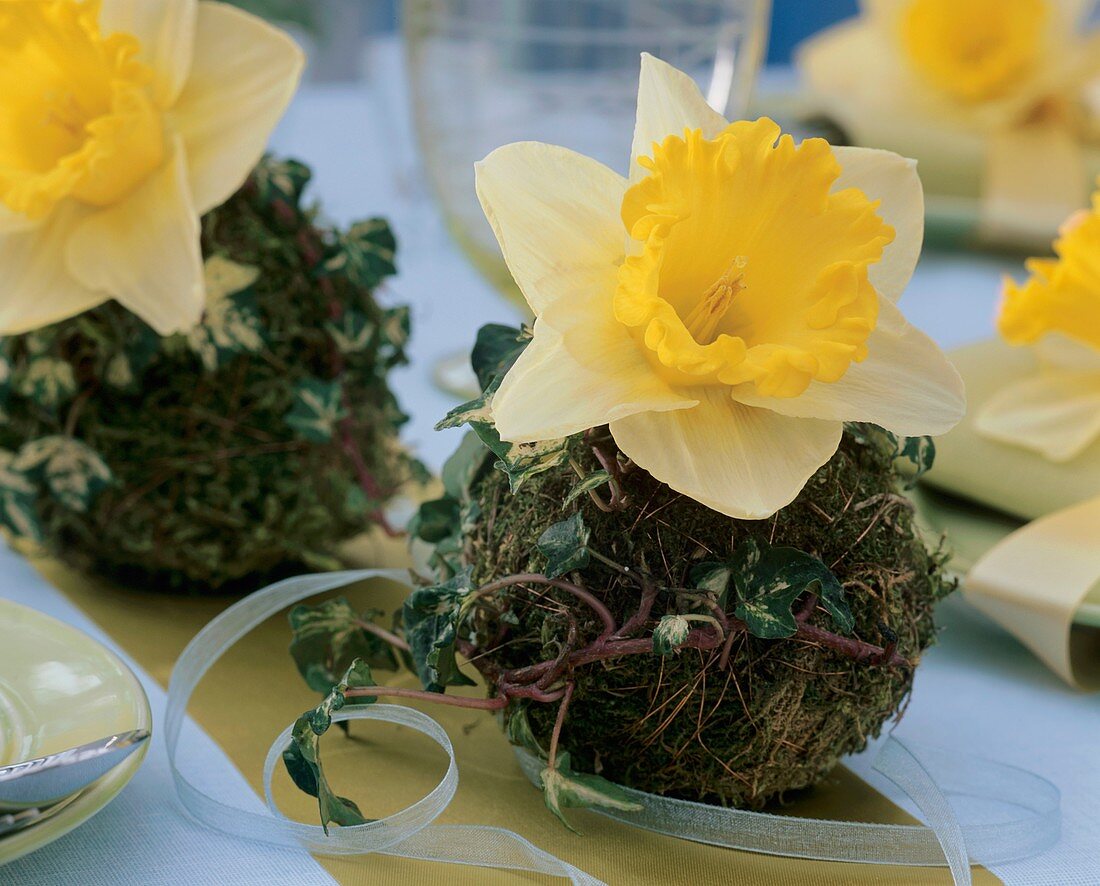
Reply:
x=992, y=96
x=726, y=309
x=1056, y=411
x=121, y=123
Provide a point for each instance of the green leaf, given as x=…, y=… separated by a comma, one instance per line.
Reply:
x=770, y=579
x=920, y=452
x=565, y=546
x=712, y=576
x=281, y=180
x=564, y=789
x=463, y=467
x=496, y=349
x=302, y=757
x=327, y=641
x=73, y=472
x=47, y=381
x=318, y=409
x=670, y=634
x=17, y=499
x=589, y=484
x=431, y=617
x=517, y=728
x=393, y=336
x=352, y=333
x=364, y=254
x=437, y=520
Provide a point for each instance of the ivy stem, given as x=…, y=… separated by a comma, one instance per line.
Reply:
x=625, y=570
x=857, y=650
x=556, y=735
x=645, y=607
x=371, y=628
x=495, y=703
x=580, y=593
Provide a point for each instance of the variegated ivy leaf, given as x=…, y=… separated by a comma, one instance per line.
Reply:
x=920, y=452
x=5, y=374
x=74, y=473
x=712, y=576
x=565, y=546
x=562, y=788
x=394, y=335
x=351, y=333
x=364, y=254
x=302, y=757
x=318, y=409
x=519, y=461
x=517, y=729
x=328, y=639
x=230, y=323
x=47, y=381
x=17, y=499
x=670, y=634
x=281, y=179
x=119, y=372
x=768, y=581
x=589, y=484
x=497, y=348
x=431, y=617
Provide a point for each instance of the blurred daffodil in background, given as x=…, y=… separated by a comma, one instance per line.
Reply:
x=121, y=123
x=1056, y=411
x=992, y=97
x=725, y=310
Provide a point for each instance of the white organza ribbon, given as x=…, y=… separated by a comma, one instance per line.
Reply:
x=1020, y=812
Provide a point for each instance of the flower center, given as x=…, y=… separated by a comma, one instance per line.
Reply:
x=1063, y=294
x=750, y=268
x=974, y=50
x=76, y=114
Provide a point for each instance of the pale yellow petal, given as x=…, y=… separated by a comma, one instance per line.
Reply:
x=145, y=251
x=1062, y=352
x=550, y=394
x=744, y=462
x=37, y=289
x=243, y=76
x=166, y=29
x=906, y=385
x=669, y=102
x=1055, y=414
x=13, y=222
x=556, y=216
x=893, y=180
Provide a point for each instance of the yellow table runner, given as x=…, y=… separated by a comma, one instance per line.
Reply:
x=254, y=692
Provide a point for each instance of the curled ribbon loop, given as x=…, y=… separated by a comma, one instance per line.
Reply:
x=1030, y=825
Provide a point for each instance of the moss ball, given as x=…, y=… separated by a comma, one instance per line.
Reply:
x=244, y=449
x=783, y=712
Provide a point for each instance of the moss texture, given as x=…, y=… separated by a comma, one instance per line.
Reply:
x=212, y=488
x=784, y=711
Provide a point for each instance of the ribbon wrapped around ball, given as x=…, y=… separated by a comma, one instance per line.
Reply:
x=1020, y=812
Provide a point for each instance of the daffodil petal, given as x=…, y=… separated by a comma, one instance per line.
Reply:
x=13, y=222
x=550, y=394
x=145, y=251
x=38, y=290
x=669, y=102
x=1056, y=414
x=906, y=385
x=893, y=180
x=556, y=216
x=744, y=462
x=243, y=75
x=1062, y=352
x=166, y=30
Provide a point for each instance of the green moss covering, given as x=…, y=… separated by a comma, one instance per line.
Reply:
x=784, y=711
x=249, y=449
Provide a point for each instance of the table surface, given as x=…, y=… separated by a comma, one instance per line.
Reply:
x=977, y=690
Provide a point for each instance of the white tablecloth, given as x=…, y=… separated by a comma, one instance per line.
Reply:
x=978, y=690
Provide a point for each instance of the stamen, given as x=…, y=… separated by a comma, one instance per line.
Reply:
x=704, y=318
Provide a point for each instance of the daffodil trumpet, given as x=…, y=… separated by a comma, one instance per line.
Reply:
x=997, y=100
x=726, y=309
x=122, y=122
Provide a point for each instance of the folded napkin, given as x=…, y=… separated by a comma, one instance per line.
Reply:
x=1039, y=580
